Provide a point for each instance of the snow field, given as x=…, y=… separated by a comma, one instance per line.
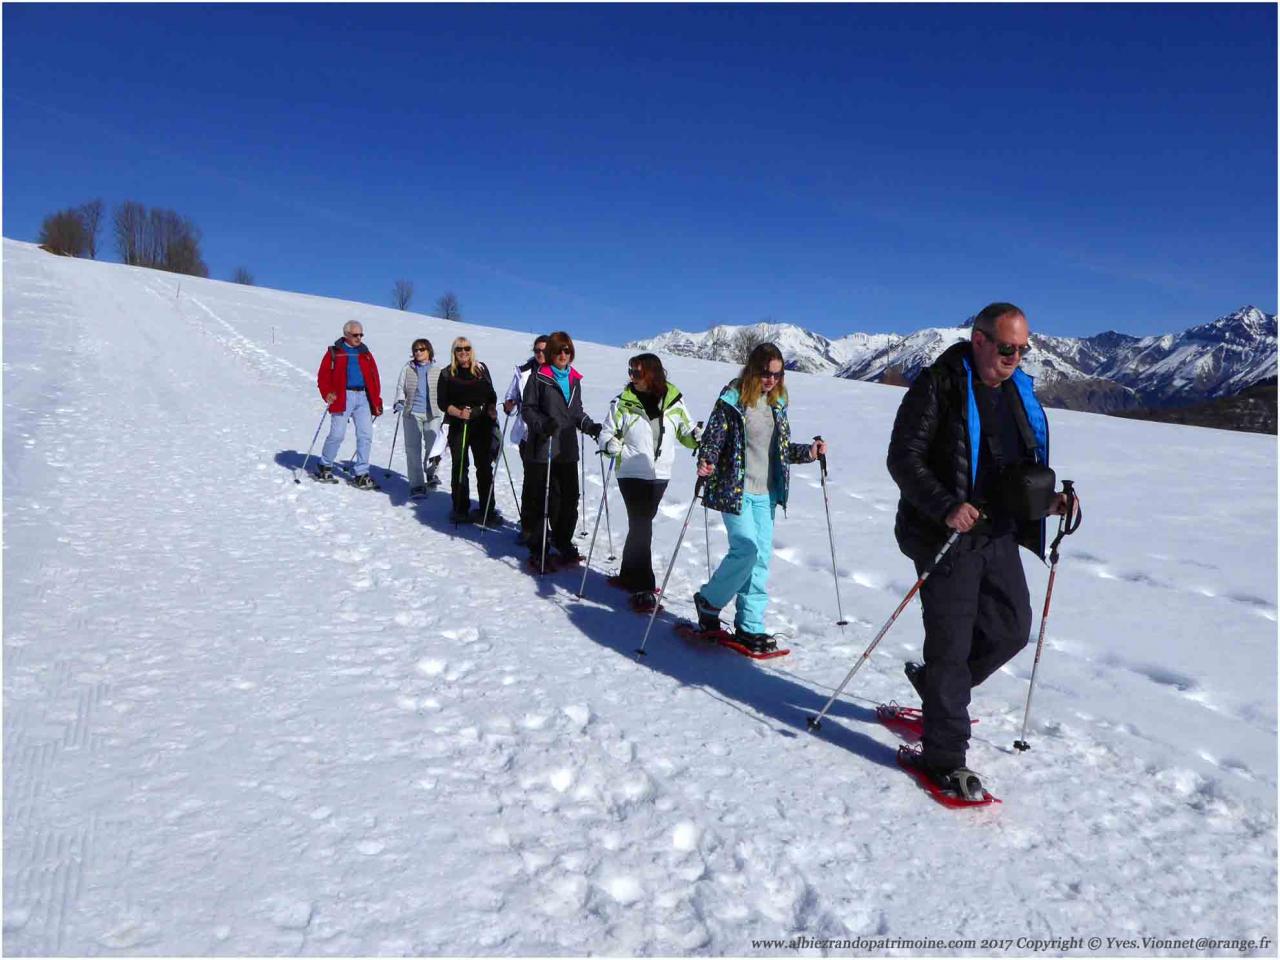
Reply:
x=246, y=716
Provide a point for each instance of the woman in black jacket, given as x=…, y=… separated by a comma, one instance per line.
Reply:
x=466, y=395
x=552, y=409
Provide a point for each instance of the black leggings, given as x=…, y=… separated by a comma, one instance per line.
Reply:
x=479, y=435
x=642, y=498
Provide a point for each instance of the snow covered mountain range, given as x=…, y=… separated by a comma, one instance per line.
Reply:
x=1104, y=373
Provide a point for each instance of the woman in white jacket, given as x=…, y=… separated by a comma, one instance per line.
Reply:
x=645, y=422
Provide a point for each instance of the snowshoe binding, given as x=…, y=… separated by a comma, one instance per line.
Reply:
x=955, y=788
x=324, y=474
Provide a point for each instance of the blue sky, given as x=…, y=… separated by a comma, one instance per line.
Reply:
x=618, y=170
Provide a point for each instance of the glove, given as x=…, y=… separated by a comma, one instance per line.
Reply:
x=399, y=405
x=697, y=433
x=612, y=446
x=593, y=431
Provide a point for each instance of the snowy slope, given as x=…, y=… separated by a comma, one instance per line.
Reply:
x=245, y=716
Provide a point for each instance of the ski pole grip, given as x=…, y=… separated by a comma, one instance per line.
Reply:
x=822, y=457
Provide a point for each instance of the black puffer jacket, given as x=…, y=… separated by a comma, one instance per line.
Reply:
x=930, y=456
x=466, y=388
x=551, y=419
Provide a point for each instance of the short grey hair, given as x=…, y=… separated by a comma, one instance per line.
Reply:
x=351, y=326
x=990, y=315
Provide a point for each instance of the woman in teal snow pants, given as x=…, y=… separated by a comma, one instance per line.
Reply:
x=745, y=460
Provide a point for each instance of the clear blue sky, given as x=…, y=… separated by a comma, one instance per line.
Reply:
x=617, y=170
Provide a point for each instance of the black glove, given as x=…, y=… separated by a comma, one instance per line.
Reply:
x=593, y=431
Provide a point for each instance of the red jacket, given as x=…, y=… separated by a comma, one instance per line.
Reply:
x=332, y=377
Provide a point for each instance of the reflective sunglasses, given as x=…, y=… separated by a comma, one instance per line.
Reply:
x=634, y=372
x=1009, y=349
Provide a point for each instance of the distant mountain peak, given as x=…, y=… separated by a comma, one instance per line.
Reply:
x=1106, y=372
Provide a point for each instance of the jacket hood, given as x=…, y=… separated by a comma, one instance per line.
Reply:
x=341, y=342
x=545, y=371
x=731, y=396
x=631, y=398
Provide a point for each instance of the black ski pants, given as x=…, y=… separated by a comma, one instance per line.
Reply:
x=642, y=498
x=530, y=498
x=977, y=616
x=562, y=509
x=479, y=443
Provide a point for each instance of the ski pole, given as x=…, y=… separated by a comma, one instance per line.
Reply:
x=394, y=435
x=1066, y=527
x=697, y=493
x=493, y=481
x=462, y=450
x=706, y=524
x=546, y=504
x=303, y=468
x=582, y=483
x=816, y=722
x=507, y=463
x=604, y=497
x=596, y=531
x=822, y=462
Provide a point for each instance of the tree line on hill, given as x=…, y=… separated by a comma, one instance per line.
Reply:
x=166, y=240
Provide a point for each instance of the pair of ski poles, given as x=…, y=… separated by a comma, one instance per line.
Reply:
x=1068, y=523
x=697, y=493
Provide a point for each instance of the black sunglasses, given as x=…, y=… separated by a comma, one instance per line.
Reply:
x=461, y=349
x=1007, y=349
x=634, y=372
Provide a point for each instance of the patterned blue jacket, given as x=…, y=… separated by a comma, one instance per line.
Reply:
x=724, y=444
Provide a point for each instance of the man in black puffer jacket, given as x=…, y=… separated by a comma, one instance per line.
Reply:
x=968, y=424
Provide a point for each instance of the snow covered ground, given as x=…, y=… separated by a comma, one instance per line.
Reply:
x=245, y=716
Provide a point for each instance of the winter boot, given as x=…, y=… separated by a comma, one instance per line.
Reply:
x=961, y=781
x=364, y=482
x=433, y=480
x=708, y=616
x=644, y=601
x=324, y=474
x=915, y=674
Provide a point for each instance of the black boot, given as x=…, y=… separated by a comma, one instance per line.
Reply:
x=915, y=674
x=708, y=616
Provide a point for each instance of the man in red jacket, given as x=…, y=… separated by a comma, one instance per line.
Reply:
x=348, y=381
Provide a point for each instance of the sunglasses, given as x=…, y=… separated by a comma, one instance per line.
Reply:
x=356, y=336
x=421, y=350
x=564, y=350
x=1009, y=349
x=770, y=375
x=634, y=372
x=461, y=349
x=539, y=349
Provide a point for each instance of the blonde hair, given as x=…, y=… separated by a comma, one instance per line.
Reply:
x=476, y=366
x=749, y=387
